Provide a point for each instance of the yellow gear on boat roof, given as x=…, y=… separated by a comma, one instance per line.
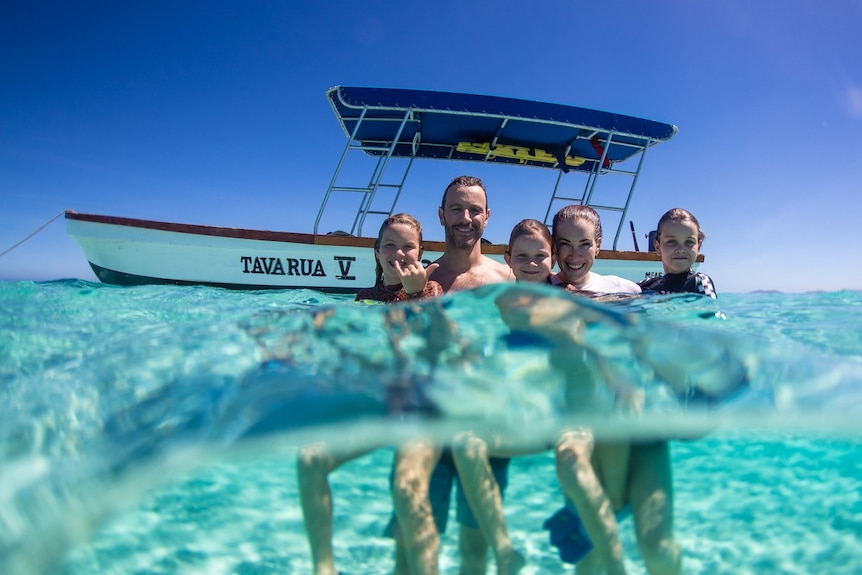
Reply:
x=523, y=154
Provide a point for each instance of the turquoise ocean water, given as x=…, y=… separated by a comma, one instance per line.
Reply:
x=154, y=429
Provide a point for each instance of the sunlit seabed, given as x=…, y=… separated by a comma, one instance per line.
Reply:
x=111, y=448
x=767, y=504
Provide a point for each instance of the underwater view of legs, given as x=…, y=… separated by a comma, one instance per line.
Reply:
x=211, y=435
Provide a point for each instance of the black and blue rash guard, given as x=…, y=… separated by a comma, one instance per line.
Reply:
x=691, y=282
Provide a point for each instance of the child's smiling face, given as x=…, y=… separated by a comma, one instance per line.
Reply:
x=678, y=245
x=530, y=259
x=400, y=243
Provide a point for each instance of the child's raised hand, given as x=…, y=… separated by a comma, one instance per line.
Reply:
x=414, y=276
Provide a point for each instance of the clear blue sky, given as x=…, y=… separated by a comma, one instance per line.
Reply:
x=214, y=113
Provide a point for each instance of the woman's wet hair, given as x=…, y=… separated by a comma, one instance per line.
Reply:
x=532, y=229
x=404, y=219
x=679, y=215
x=578, y=212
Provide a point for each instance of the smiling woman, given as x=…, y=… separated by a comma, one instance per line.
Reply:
x=577, y=240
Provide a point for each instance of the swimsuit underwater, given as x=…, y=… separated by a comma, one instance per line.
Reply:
x=690, y=282
x=440, y=489
x=568, y=535
x=396, y=293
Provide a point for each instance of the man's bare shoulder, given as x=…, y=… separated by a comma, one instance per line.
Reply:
x=481, y=272
x=488, y=271
x=495, y=269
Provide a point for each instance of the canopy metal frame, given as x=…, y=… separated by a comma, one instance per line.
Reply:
x=387, y=124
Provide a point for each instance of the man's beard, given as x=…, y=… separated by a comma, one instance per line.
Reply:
x=459, y=241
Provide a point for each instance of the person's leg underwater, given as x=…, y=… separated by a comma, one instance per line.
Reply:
x=580, y=483
x=313, y=465
x=651, y=496
x=414, y=465
x=483, y=494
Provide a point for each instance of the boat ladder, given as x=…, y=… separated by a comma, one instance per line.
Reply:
x=602, y=167
x=371, y=202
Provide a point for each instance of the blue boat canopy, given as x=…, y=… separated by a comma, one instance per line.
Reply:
x=445, y=125
x=387, y=123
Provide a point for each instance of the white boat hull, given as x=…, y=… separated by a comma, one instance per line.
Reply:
x=124, y=251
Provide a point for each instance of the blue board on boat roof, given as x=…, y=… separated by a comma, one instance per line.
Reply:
x=447, y=125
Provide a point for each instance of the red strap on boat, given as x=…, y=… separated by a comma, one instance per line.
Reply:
x=597, y=146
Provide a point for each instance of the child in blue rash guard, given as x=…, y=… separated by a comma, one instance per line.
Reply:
x=678, y=241
x=400, y=277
